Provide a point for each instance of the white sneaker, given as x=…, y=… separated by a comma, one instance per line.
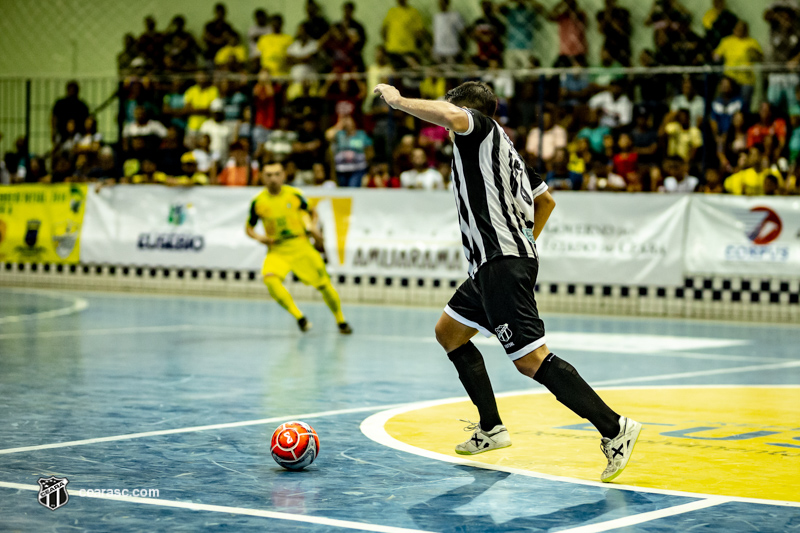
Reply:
x=483, y=441
x=619, y=449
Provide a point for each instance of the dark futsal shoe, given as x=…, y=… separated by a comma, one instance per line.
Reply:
x=345, y=329
x=303, y=324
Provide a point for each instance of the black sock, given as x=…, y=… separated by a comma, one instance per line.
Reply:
x=472, y=373
x=563, y=380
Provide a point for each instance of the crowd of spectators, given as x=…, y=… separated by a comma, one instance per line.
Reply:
x=207, y=110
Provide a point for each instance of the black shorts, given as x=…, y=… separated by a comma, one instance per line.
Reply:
x=499, y=301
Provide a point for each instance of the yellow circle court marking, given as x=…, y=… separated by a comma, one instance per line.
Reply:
x=730, y=441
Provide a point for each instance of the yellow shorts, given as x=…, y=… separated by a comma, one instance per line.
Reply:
x=298, y=256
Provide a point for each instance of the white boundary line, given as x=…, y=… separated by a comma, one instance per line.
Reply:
x=129, y=436
x=374, y=428
x=346, y=524
x=645, y=517
x=381, y=338
x=78, y=305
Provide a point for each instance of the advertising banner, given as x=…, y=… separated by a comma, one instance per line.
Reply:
x=41, y=223
x=744, y=235
x=367, y=232
x=623, y=239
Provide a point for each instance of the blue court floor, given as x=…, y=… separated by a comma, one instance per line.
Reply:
x=181, y=394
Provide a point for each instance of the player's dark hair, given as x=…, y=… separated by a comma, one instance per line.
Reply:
x=474, y=94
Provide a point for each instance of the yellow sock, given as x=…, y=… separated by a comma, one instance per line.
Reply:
x=282, y=296
x=332, y=300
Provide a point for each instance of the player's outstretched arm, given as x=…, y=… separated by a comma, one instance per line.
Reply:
x=543, y=205
x=436, y=112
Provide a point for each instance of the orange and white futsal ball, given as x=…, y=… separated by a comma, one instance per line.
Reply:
x=294, y=445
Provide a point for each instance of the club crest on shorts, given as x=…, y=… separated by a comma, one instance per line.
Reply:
x=53, y=492
x=503, y=333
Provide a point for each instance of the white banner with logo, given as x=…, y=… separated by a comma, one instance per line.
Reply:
x=367, y=232
x=623, y=239
x=744, y=235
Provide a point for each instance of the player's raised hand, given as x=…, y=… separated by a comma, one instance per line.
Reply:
x=388, y=93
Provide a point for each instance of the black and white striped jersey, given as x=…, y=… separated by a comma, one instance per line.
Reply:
x=494, y=193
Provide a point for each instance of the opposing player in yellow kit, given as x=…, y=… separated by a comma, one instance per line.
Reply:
x=288, y=222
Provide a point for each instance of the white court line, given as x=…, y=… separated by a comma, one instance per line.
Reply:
x=379, y=338
x=78, y=305
x=700, y=373
x=98, y=332
x=646, y=517
x=345, y=524
x=374, y=428
x=128, y=436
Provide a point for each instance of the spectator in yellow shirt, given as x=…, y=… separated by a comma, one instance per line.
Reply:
x=197, y=99
x=683, y=139
x=273, y=47
x=233, y=55
x=750, y=181
x=401, y=29
x=740, y=50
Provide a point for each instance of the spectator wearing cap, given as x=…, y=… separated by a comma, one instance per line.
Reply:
x=220, y=131
x=689, y=99
x=401, y=29
x=273, y=48
x=261, y=26
x=783, y=17
x=197, y=100
x=740, y=50
x=216, y=31
x=190, y=175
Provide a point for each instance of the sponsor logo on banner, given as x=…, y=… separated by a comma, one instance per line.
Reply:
x=762, y=226
x=409, y=259
x=591, y=238
x=179, y=214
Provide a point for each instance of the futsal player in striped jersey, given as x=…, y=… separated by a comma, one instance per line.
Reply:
x=502, y=208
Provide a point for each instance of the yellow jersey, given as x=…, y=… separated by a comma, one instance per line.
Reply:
x=285, y=215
